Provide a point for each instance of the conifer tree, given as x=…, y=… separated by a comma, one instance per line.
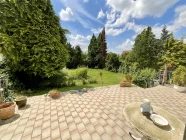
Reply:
x=165, y=34
x=146, y=49
x=31, y=40
x=102, y=48
x=93, y=53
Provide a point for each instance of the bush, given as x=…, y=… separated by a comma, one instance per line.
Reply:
x=92, y=81
x=179, y=76
x=144, y=77
x=127, y=77
x=122, y=69
x=112, y=62
x=82, y=73
x=55, y=81
x=84, y=81
x=70, y=82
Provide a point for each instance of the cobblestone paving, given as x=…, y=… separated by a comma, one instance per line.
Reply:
x=94, y=115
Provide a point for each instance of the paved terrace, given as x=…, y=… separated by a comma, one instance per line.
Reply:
x=94, y=115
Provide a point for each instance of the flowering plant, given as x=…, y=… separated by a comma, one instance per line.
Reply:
x=101, y=77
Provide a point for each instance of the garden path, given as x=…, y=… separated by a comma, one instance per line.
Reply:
x=97, y=114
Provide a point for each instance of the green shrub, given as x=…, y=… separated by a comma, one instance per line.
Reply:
x=70, y=82
x=128, y=77
x=92, y=80
x=179, y=76
x=55, y=81
x=84, y=81
x=122, y=69
x=7, y=95
x=143, y=78
x=147, y=73
x=112, y=62
x=82, y=73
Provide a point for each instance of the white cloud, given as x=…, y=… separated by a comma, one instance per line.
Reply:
x=89, y=37
x=177, y=24
x=101, y=14
x=121, y=12
x=85, y=1
x=96, y=31
x=80, y=13
x=66, y=15
x=141, y=8
x=126, y=45
x=184, y=40
x=180, y=20
x=109, y=31
x=114, y=32
x=111, y=16
x=82, y=41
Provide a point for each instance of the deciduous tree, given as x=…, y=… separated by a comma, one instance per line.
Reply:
x=112, y=62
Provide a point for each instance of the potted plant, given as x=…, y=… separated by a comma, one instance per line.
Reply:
x=127, y=81
x=7, y=108
x=179, y=79
x=21, y=101
x=54, y=94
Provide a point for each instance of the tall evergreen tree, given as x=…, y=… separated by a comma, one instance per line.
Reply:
x=93, y=53
x=146, y=49
x=70, y=63
x=102, y=48
x=75, y=57
x=31, y=40
x=78, y=56
x=165, y=34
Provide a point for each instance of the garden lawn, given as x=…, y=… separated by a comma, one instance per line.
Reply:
x=109, y=78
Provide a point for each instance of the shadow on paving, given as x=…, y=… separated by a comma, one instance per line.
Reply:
x=10, y=120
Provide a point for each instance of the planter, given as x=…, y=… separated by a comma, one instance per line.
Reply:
x=54, y=94
x=21, y=101
x=121, y=84
x=7, y=110
x=179, y=88
x=126, y=84
x=84, y=90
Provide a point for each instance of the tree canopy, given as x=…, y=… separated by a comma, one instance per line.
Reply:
x=146, y=49
x=31, y=38
x=76, y=58
x=112, y=62
x=97, y=51
x=93, y=51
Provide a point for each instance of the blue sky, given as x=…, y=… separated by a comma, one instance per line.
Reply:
x=122, y=19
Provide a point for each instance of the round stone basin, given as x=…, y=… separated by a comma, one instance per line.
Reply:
x=173, y=131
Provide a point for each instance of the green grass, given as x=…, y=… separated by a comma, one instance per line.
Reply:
x=109, y=78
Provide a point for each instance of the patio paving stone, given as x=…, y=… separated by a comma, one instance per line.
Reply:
x=97, y=114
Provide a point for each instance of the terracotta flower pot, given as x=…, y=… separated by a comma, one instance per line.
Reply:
x=125, y=84
x=121, y=84
x=54, y=94
x=7, y=110
x=21, y=101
